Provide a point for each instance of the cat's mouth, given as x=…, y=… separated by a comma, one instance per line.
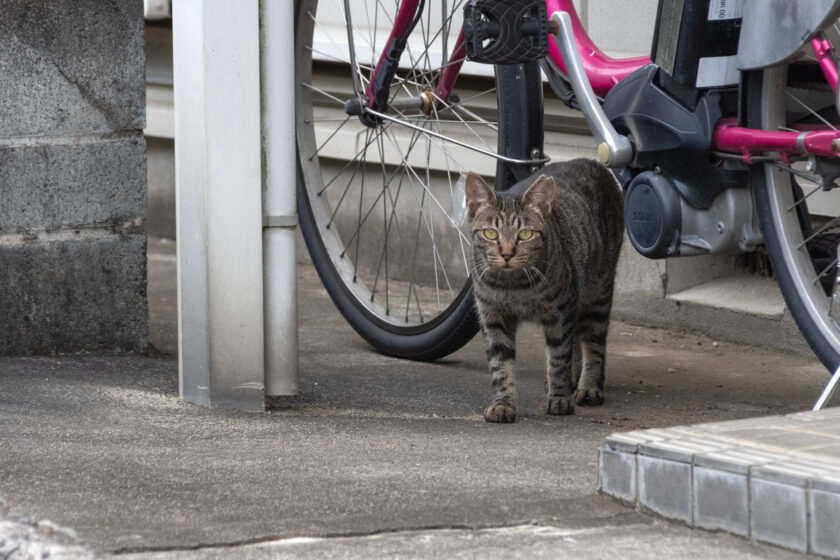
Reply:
x=508, y=266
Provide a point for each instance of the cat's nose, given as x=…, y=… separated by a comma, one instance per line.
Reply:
x=506, y=256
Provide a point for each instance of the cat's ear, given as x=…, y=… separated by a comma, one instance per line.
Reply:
x=478, y=193
x=540, y=194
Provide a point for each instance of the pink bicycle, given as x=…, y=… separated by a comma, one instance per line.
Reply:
x=729, y=124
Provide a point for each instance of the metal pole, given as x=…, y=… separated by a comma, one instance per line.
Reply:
x=828, y=391
x=279, y=211
x=219, y=202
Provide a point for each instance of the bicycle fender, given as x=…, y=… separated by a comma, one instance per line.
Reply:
x=776, y=32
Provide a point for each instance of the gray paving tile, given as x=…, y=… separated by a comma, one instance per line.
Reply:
x=792, y=473
x=627, y=442
x=630, y=441
x=744, y=423
x=749, y=435
x=797, y=440
x=617, y=474
x=662, y=434
x=829, y=453
x=735, y=460
x=682, y=450
x=665, y=487
x=831, y=429
x=778, y=514
x=824, y=511
x=827, y=414
x=826, y=482
x=721, y=501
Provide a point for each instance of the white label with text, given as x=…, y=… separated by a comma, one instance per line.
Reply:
x=725, y=9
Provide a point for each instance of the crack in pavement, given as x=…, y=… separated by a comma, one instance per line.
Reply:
x=538, y=528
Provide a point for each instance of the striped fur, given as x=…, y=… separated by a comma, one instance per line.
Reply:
x=560, y=277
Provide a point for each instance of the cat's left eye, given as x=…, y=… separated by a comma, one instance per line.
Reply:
x=491, y=234
x=526, y=234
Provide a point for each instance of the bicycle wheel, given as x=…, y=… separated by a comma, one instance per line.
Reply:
x=799, y=219
x=379, y=206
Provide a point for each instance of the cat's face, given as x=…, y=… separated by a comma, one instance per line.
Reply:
x=508, y=234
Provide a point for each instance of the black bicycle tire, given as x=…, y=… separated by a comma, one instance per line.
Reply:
x=447, y=333
x=773, y=241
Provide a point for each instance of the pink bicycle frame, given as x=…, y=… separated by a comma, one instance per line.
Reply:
x=809, y=141
x=605, y=72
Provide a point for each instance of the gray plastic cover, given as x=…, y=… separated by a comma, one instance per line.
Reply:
x=775, y=31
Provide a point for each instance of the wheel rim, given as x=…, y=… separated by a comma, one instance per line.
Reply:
x=387, y=201
x=784, y=201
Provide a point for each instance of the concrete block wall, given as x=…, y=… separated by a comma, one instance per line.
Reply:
x=72, y=177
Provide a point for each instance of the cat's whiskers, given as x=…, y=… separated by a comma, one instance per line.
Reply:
x=540, y=274
x=530, y=279
x=477, y=276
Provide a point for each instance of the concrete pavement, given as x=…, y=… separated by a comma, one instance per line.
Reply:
x=376, y=457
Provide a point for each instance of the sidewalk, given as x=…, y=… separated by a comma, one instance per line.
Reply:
x=376, y=457
x=776, y=479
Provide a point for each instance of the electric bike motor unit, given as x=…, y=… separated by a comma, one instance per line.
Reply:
x=679, y=201
x=660, y=223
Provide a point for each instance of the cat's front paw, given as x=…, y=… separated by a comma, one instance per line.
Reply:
x=500, y=412
x=591, y=396
x=560, y=406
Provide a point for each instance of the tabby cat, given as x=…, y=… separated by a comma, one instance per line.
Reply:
x=547, y=255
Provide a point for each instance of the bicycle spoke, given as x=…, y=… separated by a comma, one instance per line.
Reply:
x=454, y=141
x=373, y=205
x=451, y=106
x=809, y=109
x=426, y=188
x=474, y=133
x=384, y=254
x=340, y=171
x=412, y=288
x=420, y=219
x=432, y=219
x=444, y=55
x=441, y=146
x=361, y=200
x=823, y=229
x=445, y=24
x=393, y=222
x=324, y=93
x=478, y=120
x=343, y=194
x=825, y=271
x=421, y=204
x=358, y=77
x=330, y=137
x=803, y=199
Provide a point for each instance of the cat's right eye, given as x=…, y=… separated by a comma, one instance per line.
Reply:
x=526, y=234
x=491, y=234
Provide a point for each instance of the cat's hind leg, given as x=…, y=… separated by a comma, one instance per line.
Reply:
x=577, y=362
x=592, y=333
x=559, y=340
x=500, y=347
